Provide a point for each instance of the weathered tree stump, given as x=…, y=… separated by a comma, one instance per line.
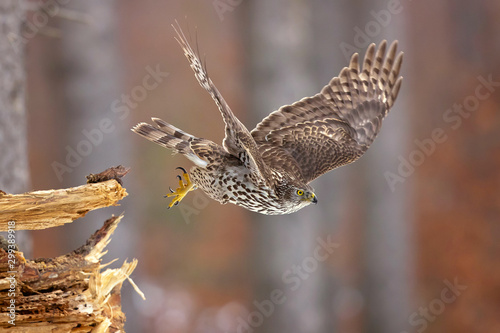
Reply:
x=70, y=293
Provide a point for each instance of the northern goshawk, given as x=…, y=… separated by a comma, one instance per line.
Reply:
x=268, y=170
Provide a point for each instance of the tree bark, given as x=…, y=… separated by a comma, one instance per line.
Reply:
x=63, y=294
x=67, y=293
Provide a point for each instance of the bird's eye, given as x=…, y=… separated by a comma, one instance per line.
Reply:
x=300, y=192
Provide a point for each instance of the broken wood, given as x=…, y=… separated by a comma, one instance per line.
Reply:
x=69, y=293
x=64, y=294
x=52, y=208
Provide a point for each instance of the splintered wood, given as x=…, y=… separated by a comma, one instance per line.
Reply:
x=73, y=292
x=67, y=293
x=52, y=208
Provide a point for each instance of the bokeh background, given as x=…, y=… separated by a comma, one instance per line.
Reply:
x=407, y=239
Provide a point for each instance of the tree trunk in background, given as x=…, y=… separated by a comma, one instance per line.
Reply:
x=281, y=42
x=14, y=167
x=388, y=230
x=456, y=50
x=295, y=50
x=95, y=133
x=14, y=173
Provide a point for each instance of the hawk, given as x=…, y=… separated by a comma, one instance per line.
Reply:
x=268, y=170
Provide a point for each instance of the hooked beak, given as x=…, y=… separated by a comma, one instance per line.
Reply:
x=313, y=199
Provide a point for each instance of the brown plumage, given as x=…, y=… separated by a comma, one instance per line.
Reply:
x=268, y=170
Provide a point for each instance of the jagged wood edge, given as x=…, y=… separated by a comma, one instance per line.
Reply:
x=51, y=208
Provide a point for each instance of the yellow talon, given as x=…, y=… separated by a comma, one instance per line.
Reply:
x=182, y=190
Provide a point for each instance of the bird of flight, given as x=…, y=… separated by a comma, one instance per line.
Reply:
x=268, y=169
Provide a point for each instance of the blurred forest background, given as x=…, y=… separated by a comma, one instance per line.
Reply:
x=407, y=239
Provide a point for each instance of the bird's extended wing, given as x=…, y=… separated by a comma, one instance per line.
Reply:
x=336, y=126
x=238, y=141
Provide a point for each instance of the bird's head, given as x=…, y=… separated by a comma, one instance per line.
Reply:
x=298, y=196
x=305, y=195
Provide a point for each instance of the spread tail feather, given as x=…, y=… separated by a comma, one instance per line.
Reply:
x=170, y=137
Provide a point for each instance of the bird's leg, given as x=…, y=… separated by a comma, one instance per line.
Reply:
x=182, y=190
